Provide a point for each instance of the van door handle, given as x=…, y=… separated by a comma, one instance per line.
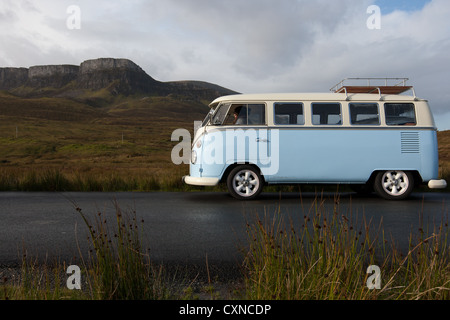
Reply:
x=261, y=140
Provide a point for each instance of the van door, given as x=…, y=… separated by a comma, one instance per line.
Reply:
x=247, y=137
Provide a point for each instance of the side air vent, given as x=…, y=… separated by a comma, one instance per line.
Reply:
x=410, y=142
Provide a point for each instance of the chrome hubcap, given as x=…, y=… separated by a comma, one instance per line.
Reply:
x=245, y=183
x=395, y=182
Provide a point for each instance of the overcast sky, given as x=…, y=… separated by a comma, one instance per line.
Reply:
x=247, y=46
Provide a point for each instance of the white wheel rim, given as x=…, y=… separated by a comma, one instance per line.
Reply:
x=395, y=183
x=245, y=183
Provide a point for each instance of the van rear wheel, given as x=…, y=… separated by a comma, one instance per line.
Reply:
x=245, y=182
x=394, y=184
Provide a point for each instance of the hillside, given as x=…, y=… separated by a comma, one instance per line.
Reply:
x=105, y=124
x=444, y=153
x=106, y=95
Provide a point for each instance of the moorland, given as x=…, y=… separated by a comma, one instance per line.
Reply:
x=103, y=126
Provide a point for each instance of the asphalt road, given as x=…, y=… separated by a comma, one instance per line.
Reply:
x=187, y=228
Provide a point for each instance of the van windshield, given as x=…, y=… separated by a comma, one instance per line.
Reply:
x=208, y=116
x=217, y=114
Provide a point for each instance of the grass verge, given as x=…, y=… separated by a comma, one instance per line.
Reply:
x=56, y=179
x=325, y=256
x=120, y=268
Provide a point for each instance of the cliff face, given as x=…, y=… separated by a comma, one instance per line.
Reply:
x=118, y=76
x=96, y=74
x=56, y=76
x=12, y=77
x=91, y=66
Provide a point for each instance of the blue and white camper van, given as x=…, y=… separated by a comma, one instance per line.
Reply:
x=372, y=137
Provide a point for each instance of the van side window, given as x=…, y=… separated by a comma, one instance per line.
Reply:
x=256, y=114
x=400, y=114
x=326, y=113
x=289, y=113
x=246, y=114
x=364, y=114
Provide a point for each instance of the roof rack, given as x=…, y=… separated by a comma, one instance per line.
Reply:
x=387, y=86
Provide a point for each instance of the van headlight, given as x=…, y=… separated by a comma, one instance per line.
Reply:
x=193, y=156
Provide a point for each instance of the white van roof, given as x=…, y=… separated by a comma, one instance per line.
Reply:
x=313, y=97
x=348, y=89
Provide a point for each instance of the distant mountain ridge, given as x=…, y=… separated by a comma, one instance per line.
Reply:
x=118, y=76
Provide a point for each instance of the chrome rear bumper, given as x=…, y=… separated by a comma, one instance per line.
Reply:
x=437, y=184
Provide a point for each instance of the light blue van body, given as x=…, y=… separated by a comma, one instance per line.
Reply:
x=311, y=151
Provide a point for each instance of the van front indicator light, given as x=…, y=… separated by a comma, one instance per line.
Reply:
x=193, y=156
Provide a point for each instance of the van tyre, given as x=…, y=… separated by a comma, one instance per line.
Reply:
x=394, y=184
x=245, y=182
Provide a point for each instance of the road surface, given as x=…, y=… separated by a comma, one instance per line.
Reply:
x=182, y=227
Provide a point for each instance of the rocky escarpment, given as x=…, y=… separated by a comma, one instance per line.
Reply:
x=118, y=76
x=121, y=75
x=56, y=76
x=13, y=77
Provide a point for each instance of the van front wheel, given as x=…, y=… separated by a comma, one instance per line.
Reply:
x=245, y=182
x=394, y=184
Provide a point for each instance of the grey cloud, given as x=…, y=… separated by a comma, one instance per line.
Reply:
x=261, y=37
